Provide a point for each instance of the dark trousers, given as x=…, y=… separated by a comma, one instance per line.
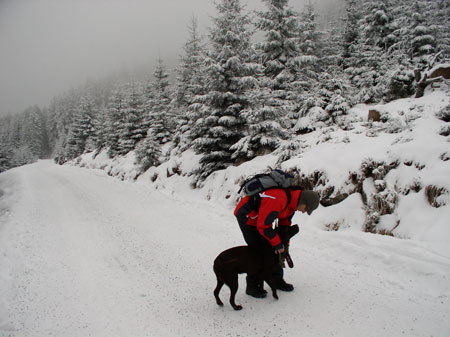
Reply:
x=257, y=242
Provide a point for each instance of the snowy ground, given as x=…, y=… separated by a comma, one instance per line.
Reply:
x=84, y=254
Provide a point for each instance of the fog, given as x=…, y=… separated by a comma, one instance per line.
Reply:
x=49, y=46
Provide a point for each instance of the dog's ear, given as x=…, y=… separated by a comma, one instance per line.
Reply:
x=293, y=230
x=287, y=232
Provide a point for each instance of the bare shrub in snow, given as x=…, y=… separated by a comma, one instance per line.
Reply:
x=437, y=196
x=445, y=131
x=415, y=186
x=376, y=170
x=333, y=227
x=383, y=199
x=372, y=219
x=311, y=181
x=444, y=114
x=445, y=156
x=384, y=202
x=318, y=181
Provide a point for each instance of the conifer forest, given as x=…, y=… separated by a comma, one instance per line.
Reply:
x=232, y=96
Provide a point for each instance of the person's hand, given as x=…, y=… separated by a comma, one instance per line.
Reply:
x=280, y=251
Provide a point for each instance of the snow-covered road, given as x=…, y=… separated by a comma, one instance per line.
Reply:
x=84, y=254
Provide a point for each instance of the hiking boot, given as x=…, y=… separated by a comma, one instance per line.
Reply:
x=257, y=293
x=255, y=287
x=283, y=286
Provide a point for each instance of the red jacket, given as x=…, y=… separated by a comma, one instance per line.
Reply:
x=273, y=206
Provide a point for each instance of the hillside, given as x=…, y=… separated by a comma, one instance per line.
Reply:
x=389, y=177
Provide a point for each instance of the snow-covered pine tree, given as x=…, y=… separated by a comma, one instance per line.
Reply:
x=412, y=44
x=365, y=73
x=332, y=47
x=62, y=114
x=5, y=156
x=23, y=138
x=278, y=53
x=338, y=105
x=64, y=109
x=335, y=96
x=422, y=43
x=33, y=131
x=133, y=128
x=309, y=62
x=72, y=147
x=187, y=83
x=231, y=75
x=22, y=155
x=89, y=111
x=100, y=123
x=160, y=116
x=351, y=28
x=350, y=40
x=115, y=120
x=378, y=27
x=16, y=135
x=59, y=151
x=147, y=100
x=397, y=73
x=191, y=83
x=263, y=130
x=148, y=152
x=81, y=129
x=200, y=109
x=6, y=149
x=45, y=149
x=440, y=25
x=54, y=129
x=368, y=62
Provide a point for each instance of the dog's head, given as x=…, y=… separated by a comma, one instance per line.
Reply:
x=287, y=232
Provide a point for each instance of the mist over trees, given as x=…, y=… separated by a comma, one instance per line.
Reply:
x=234, y=99
x=23, y=138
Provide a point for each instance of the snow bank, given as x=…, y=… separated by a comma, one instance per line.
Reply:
x=348, y=214
x=122, y=167
x=8, y=197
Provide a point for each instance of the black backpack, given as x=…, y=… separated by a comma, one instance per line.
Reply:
x=264, y=181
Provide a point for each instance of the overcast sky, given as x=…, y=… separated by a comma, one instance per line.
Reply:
x=49, y=46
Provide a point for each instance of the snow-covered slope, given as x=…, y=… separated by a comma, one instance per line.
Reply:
x=84, y=254
x=393, y=175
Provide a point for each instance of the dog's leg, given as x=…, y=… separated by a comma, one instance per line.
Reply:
x=232, y=282
x=271, y=282
x=220, y=283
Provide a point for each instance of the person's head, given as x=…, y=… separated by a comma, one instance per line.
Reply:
x=308, y=201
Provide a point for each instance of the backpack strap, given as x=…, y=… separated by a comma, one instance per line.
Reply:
x=289, y=197
x=255, y=202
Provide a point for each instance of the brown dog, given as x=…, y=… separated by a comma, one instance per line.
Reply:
x=243, y=259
